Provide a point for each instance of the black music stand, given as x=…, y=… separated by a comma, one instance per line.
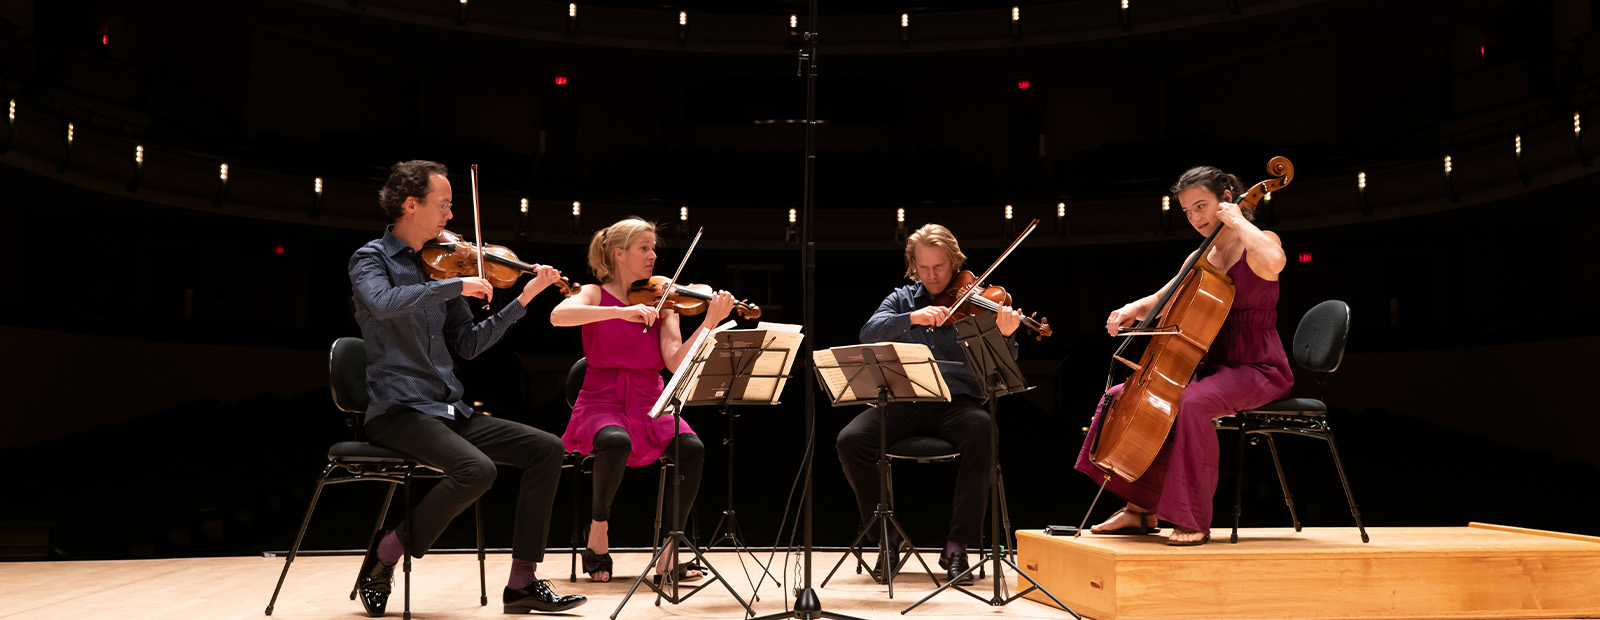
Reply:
x=730, y=377
x=861, y=374
x=672, y=400
x=989, y=356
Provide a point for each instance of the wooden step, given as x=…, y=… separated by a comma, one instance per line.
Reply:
x=1478, y=571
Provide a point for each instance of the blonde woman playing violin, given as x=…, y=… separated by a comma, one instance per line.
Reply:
x=627, y=345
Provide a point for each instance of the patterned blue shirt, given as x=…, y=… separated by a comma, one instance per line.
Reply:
x=892, y=323
x=411, y=325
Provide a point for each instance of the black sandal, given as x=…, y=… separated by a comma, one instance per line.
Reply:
x=1131, y=530
x=595, y=563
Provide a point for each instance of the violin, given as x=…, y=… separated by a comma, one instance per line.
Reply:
x=449, y=256
x=987, y=298
x=688, y=299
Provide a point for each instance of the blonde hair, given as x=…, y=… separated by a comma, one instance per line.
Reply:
x=933, y=236
x=605, y=240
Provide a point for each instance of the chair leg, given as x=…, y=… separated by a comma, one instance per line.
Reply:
x=304, y=522
x=577, y=536
x=383, y=511
x=661, y=498
x=1238, y=483
x=483, y=582
x=1339, y=466
x=410, y=539
x=1283, y=481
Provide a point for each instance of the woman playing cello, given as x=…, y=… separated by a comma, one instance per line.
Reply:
x=1245, y=367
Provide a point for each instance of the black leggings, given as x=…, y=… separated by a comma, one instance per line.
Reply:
x=611, y=448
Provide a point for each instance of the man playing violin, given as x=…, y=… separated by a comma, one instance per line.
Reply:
x=626, y=345
x=412, y=326
x=933, y=257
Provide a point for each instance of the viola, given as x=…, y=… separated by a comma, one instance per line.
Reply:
x=686, y=299
x=449, y=256
x=986, y=298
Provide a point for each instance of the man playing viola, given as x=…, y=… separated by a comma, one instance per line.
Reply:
x=933, y=257
x=412, y=326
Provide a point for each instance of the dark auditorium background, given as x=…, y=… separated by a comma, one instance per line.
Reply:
x=183, y=183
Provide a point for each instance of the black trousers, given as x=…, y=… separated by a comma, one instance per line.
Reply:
x=467, y=451
x=611, y=448
x=964, y=422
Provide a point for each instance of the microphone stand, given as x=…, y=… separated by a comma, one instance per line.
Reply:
x=806, y=604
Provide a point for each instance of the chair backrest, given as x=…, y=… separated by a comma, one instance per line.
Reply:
x=347, y=374
x=1319, y=341
x=575, y=376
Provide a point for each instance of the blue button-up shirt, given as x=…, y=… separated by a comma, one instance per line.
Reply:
x=411, y=325
x=892, y=323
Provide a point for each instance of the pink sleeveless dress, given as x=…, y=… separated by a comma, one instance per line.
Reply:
x=623, y=382
x=1246, y=367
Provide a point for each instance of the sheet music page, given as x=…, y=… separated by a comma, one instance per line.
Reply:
x=697, y=350
x=746, y=366
x=925, y=380
x=786, y=344
x=703, y=350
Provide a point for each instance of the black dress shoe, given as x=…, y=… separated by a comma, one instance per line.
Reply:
x=375, y=581
x=537, y=596
x=954, y=564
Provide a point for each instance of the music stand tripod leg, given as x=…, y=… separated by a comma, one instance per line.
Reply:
x=731, y=518
x=669, y=579
x=983, y=357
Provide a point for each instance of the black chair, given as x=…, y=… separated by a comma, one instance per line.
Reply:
x=358, y=461
x=583, y=464
x=1318, y=347
x=929, y=449
x=576, y=462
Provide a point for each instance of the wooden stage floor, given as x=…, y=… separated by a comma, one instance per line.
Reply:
x=1474, y=572
x=444, y=586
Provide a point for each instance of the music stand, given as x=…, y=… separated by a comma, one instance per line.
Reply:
x=989, y=356
x=746, y=367
x=879, y=374
x=672, y=400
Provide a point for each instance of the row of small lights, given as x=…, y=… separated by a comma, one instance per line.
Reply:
x=794, y=20
x=900, y=213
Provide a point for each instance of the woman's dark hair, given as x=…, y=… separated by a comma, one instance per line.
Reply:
x=408, y=179
x=1215, y=181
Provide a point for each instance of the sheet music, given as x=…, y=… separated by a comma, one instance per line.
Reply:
x=697, y=351
x=921, y=380
x=749, y=364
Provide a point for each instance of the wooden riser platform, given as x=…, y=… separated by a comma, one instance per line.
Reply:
x=1478, y=571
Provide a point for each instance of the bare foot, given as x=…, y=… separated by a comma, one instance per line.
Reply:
x=1130, y=517
x=599, y=541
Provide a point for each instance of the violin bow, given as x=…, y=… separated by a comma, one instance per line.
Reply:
x=674, y=281
x=477, y=226
x=974, y=288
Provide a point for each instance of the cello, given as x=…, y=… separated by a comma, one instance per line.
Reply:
x=1134, y=424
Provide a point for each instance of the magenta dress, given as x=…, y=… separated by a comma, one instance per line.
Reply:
x=1246, y=367
x=623, y=382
